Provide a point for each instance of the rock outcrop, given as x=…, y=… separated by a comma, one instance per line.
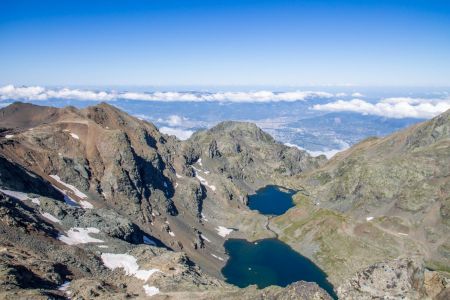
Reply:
x=403, y=278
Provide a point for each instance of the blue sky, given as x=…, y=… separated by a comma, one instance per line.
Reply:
x=276, y=43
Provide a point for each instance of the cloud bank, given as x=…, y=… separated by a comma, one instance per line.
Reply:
x=11, y=92
x=329, y=153
x=180, y=133
x=397, y=108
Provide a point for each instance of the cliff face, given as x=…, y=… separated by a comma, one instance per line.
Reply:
x=76, y=184
x=382, y=198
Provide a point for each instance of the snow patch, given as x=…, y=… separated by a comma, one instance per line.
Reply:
x=78, y=235
x=35, y=201
x=200, y=162
x=402, y=233
x=178, y=175
x=103, y=246
x=86, y=204
x=18, y=195
x=218, y=257
x=369, y=219
x=21, y=196
x=51, y=218
x=9, y=136
x=69, y=201
x=128, y=263
x=205, y=238
x=150, y=290
x=202, y=179
x=223, y=231
x=171, y=233
x=74, y=136
x=205, y=183
x=196, y=169
x=63, y=287
x=76, y=191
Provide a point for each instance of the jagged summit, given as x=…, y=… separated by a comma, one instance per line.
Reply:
x=247, y=154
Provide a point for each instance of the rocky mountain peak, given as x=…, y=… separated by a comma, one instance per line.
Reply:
x=235, y=129
x=26, y=115
x=430, y=132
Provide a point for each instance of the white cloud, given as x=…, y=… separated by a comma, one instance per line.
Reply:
x=391, y=107
x=329, y=153
x=40, y=93
x=11, y=92
x=175, y=120
x=357, y=95
x=339, y=95
x=142, y=117
x=180, y=133
x=396, y=100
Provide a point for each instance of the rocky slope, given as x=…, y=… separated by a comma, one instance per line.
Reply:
x=51, y=250
x=102, y=200
x=381, y=199
x=403, y=278
x=77, y=185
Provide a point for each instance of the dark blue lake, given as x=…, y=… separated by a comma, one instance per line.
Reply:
x=271, y=200
x=269, y=262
